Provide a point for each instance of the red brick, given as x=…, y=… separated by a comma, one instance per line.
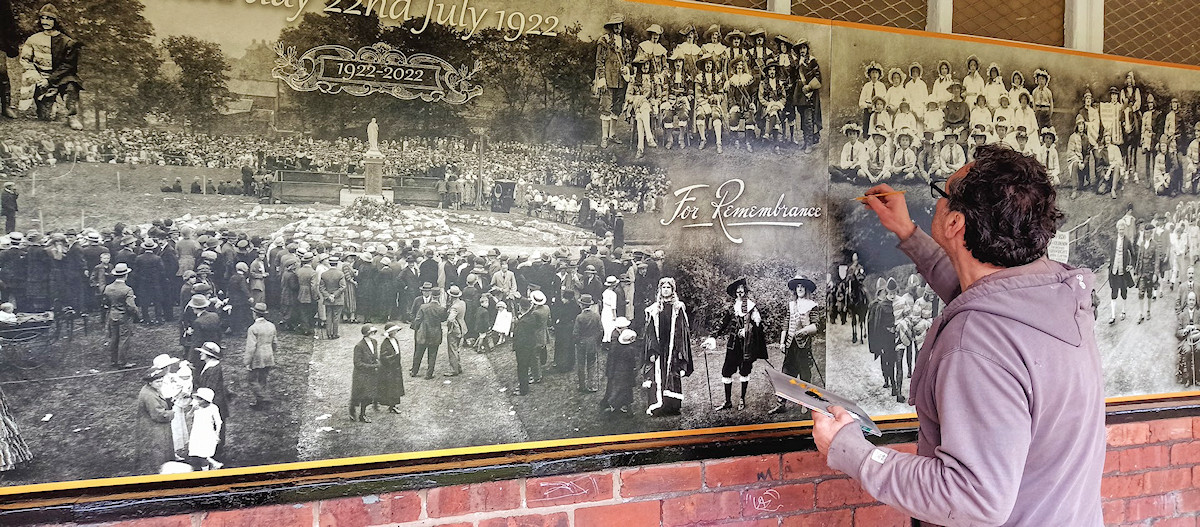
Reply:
x=701, y=507
x=162, y=521
x=880, y=516
x=1112, y=461
x=1170, y=429
x=1134, y=459
x=546, y=492
x=1196, y=473
x=482, y=497
x=839, y=518
x=1164, y=481
x=761, y=522
x=370, y=510
x=841, y=492
x=805, y=465
x=1189, y=500
x=1185, y=453
x=659, y=479
x=1122, y=486
x=455, y=524
x=1140, y=509
x=1176, y=522
x=1114, y=512
x=741, y=471
x=550, y=520
x=1128, y=434
x=781, y=499
x=1196, y=427
x=258, y=516
x=632, y=514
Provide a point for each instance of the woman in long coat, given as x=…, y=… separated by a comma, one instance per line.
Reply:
x=668, y=350
x=153, y=429
x=13, y=449
x=391, y=369
x=350, y=296
x=621, y=370
x=364, y=383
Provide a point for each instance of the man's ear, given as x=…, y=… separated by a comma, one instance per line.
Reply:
x=955, y=227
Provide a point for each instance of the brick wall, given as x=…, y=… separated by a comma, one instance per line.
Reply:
x=1148, y=481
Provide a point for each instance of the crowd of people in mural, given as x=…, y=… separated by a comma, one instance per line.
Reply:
x=891, y=320
x=912, y=130
x=688, y=88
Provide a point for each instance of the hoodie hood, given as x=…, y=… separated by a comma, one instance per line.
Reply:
x=1044, y=295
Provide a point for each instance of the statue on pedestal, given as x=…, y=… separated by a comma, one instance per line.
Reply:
x=373, y=137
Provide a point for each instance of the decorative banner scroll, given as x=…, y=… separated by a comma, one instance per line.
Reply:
x=378, y=68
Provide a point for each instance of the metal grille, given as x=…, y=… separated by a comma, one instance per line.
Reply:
x=752, y=4
x=908, y=14
x=1037, y=21
x=1165, y=30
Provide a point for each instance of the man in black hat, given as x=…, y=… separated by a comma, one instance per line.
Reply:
x=427, y=331
x=562, y=316
x=803, y=322
x=121, y=305
x=529, y=339
x=13, y=271
x=146, y=279
x=746, y=341
x=8, y=200
x=306, y=297
x=331, y=286
x=881, y=336
x=52, y=59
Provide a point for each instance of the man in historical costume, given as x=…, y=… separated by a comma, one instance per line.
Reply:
x=668, y=350
x=744, y=344
x=121, y=305
x=742, y=92
x=262, y=343
x=529, y=340
x=427, y=331
x=881, y=335
x=331, y=287
x=1147, y=269
x=806, y=98
x=804, y=320
x=456, y=328
x=710, y=99
x=51, y=62
x=10, y=47
x=391, y=369
x=613, y=53
x=365, y=379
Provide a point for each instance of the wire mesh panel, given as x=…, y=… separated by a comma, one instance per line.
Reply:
x=908, y=14
x=1166, y=30
x=752, y=4
x=1037, y=21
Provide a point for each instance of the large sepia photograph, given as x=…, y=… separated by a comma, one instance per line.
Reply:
x=239, y=235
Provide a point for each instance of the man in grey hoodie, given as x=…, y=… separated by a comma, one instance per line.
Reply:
x=1008, y=390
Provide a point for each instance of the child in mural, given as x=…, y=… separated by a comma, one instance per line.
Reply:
x=895, y=92
x=1161, y=169
x=903, y=166
x=995, y=87
x=935, y=119
x=1017, y=86
x=1024, y=116
x=1043, y=98
x=872, y=90
x=981, y=115
x=927, y=155
x=878, y=156
x=1047, y=154
x=951, y=157
x=918, y=91
x=807, y=97
x=880, y=118
x=613, y=52
x=710, y=99
x=904, y=118
x=852, y=164
x=972, y=82
x=979, y=137
x=1080, y=163
x=1005, y=111
x=941, y=86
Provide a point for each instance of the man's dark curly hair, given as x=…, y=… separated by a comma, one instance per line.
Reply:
x=1009, y=205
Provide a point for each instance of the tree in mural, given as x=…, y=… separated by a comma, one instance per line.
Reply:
x=201, y=88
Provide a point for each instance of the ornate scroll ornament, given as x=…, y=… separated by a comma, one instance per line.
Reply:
x=378, y=68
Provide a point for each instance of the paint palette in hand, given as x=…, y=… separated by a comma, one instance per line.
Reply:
x=818, y=399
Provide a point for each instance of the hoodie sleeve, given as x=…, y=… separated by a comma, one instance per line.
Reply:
x=975, y=473
x=933, y=264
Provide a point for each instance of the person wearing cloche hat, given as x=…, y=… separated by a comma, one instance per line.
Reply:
x=365, y=379
x=207, y=429
x=390, y=388
x=613, y=53
x=804, y=321
x=745, y=342
x=621, y=370
x=456, y=327
x=211, y=376
x=122, y=312
x=152, y=428
x=262, y=343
